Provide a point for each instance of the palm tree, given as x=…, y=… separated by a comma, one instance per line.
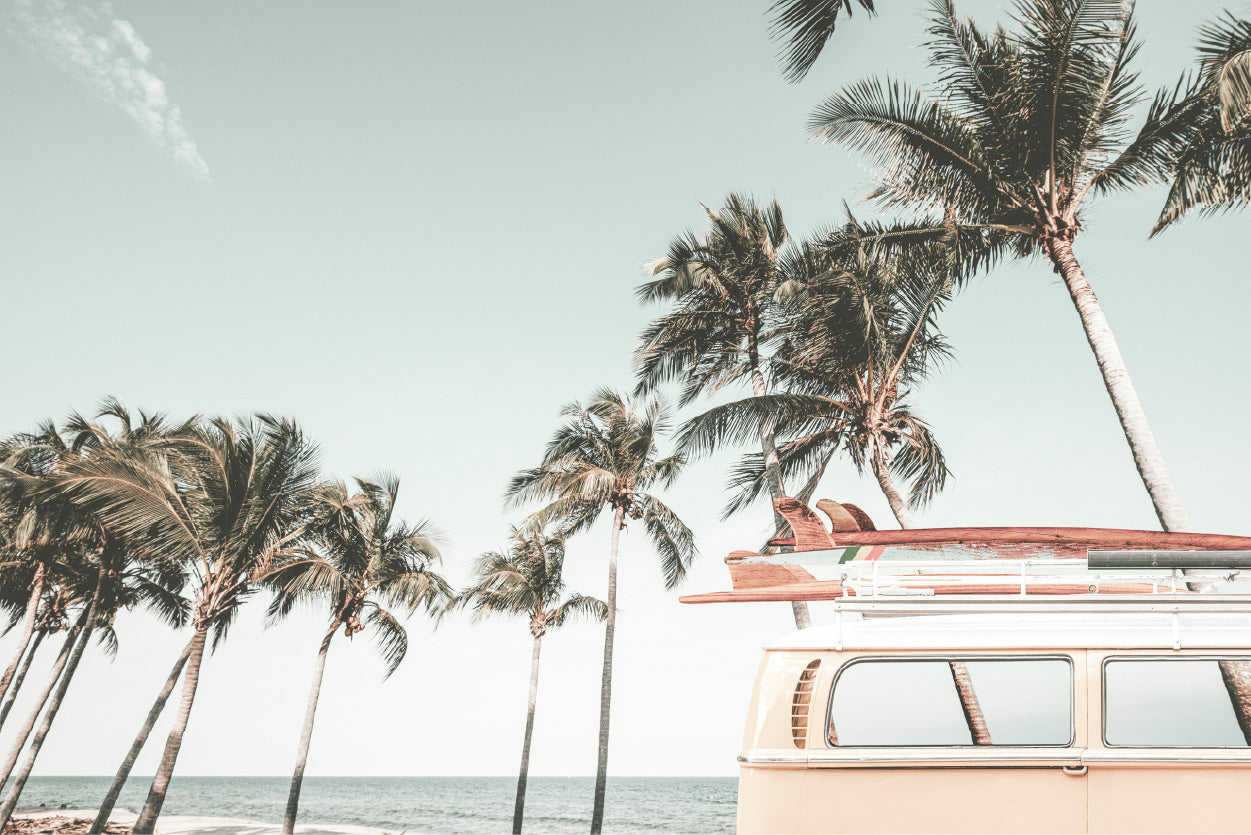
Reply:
x=724, y=285
x=223, y=501
x=59, y=676
x=18, y=580
x=109, y=554
x=92, y=566
x=1023, y=127
x=806, y=26
x=118, y=583
x=358, y=556
x=606, y=456
x=21, y=579
x=37, y=532
x=526, y=580
x=1208, y=120
x=863, y=334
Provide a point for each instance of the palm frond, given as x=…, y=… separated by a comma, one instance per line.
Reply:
x=673, y=540
x=805, y=27
x=389, y=636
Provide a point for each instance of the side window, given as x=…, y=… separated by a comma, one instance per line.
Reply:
x=982, y=701
x=1175, y=702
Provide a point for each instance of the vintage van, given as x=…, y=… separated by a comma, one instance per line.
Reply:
x=1025, y=690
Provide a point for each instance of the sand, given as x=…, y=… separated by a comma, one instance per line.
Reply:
x=66, y=821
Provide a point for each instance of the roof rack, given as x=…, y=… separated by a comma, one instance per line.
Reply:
x=948, y=570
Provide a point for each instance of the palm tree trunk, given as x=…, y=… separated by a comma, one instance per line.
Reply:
x=145, y=824
x=897, y=504
x=11, y=696
x=119, y=780
x=306, y=735
x=519, y=809
x=1147, y=456
x=19, y=782
x=969, y=704
x=24, y=733
x=28, y=629
x=605, y=690
x=773, y=468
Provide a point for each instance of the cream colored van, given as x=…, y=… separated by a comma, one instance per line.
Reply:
x=1089, y=723
x=998, y=680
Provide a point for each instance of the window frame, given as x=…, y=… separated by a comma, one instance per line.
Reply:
x=1103, y=700
x=1067, y=659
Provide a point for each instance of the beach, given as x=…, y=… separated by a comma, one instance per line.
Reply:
x=66, y=821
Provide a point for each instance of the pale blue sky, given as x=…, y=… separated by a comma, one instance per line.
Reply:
x=416, y=227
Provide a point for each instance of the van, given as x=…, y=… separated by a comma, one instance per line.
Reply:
x=1037, y=692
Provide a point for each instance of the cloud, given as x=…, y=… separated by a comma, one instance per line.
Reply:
x=106, y=55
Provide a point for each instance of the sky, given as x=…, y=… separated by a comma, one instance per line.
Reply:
x=417, y=228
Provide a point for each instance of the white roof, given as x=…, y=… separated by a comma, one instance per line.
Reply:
x=1138, y=630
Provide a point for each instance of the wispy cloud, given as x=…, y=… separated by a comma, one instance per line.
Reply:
x=103, y=52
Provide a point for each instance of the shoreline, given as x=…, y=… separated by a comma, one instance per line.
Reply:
x=200, y=824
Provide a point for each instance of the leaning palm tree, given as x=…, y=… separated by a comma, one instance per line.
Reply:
x=47, y=701
x=1021, y=129
x=52, y=618
x=365, y=564
x=606, y=457
x=118, y=582
x=526, y=580
x=223, y=501
x=725, y=320
x=38, y=532
x=21, y=578
x=1209, y=120
x=92, y=567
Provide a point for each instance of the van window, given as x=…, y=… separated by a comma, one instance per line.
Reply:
x=915, y=703
x=1169, y=702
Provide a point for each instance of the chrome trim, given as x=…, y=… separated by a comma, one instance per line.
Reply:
x=1070, y=755
x=1215, y=756
x=797, y=758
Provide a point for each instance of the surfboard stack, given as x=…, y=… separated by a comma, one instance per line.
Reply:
x=851, y=558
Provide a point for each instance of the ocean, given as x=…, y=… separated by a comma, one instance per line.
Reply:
x=429, y=805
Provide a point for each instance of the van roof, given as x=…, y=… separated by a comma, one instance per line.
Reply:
x=1096, y=630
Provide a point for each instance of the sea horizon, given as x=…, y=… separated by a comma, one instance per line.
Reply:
x=423, y=804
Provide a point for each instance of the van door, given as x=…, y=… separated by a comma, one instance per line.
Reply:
x=1167, y=751
x=898, y=753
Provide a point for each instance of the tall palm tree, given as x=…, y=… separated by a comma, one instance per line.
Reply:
x=526, y=580
x=1209, y=121
x=358, y=556
x=723, y=285
x=224, y=501
x=606, y=457
x=1021, y=129
x=805, y=27
x=864, y=333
